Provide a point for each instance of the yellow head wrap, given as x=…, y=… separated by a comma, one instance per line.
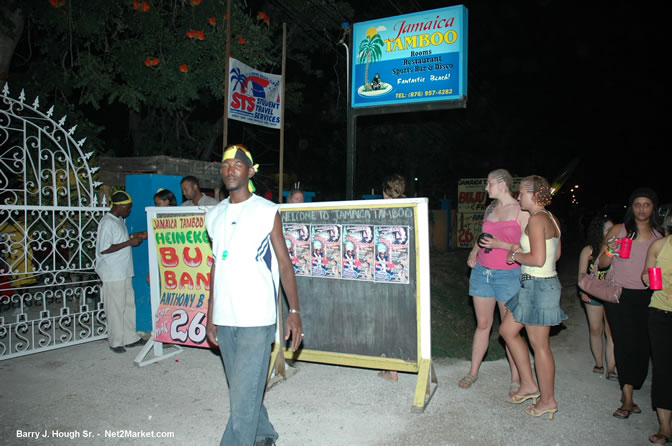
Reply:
x=121, y=197
x=240, y=152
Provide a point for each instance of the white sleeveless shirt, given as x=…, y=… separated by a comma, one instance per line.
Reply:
x=548, y=269
x=246, y=273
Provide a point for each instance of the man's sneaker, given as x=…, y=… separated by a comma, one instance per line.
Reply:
x=118, y=349
x=137, y=343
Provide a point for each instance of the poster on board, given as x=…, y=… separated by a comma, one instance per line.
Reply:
x=472, y=200
x=185, y=259
x=392, y=254
x=327, y=259
x=297, y=239
x=358, y=255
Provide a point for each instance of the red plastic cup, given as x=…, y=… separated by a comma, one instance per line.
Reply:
x=624, y=248
x=655, y=279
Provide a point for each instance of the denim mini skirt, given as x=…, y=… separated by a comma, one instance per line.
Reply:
x=537, y=302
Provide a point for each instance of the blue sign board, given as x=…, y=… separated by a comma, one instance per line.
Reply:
x=413, y=58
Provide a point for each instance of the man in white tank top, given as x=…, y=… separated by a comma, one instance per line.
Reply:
x=250, y=255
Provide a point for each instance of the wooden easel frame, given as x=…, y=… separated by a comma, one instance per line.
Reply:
x=426, y=383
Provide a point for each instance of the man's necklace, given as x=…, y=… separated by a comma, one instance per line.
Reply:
x=234, y=223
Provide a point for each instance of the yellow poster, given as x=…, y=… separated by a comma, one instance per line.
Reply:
x=185, y=260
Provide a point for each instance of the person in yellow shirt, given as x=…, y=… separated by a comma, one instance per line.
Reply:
x=660, y=333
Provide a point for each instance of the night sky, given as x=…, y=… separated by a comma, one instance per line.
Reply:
x=549, y=82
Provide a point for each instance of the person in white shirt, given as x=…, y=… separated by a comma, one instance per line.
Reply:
x=192, y=192
x=114, y=265
x=250, y=255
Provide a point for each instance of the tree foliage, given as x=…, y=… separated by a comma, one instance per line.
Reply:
x=160, y=65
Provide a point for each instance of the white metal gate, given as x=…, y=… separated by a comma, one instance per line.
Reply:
x=49, y=214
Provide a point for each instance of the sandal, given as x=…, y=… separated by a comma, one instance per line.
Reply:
x=598, y=370
x=612, y=376
x=518, y=398
x=659, y=438
x=467, y=381
x=635, y=408
x=623, y=414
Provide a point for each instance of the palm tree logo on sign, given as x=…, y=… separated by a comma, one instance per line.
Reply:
x=370, y=51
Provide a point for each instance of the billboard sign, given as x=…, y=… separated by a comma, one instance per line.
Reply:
x=413, y=58
x=254, y=96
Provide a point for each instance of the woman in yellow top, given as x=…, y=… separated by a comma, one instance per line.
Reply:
x=660, y=334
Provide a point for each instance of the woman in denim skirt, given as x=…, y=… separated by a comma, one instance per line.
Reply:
x=536, y=307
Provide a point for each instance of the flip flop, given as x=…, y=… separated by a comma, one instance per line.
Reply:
x=598, y=370
x=635, y=408
x=622, y=414
x=657, y=437
x=612, y=376
x=467, y=381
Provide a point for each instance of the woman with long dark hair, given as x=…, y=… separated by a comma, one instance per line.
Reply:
x=164, y=197
x=629, y=318
x=597, y=320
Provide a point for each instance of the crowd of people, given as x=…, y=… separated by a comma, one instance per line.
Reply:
x=513, y=268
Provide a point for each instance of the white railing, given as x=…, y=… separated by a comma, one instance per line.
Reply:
x=49, y=214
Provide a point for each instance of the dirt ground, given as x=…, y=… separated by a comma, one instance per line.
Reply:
x=88, y=395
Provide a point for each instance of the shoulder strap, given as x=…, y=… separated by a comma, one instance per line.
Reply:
x=554, y=222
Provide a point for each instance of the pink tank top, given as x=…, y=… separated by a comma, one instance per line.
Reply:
x=508, y=231
x=628, y=272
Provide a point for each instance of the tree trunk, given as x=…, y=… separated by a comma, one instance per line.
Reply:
x=134, y=121
x=366, y=72
x=216, y=131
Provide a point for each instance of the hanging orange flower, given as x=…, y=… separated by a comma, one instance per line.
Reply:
x=261, y=15
x=151, y=62
x=195, y=34
x=195, y=2
x=212, y=20
x=57, y=3
x=141, y=6
x=183, y=68
x=241, y=39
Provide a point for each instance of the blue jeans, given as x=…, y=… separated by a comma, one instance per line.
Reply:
x=246, y=354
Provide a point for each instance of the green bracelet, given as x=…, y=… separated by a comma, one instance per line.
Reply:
x=612, y=252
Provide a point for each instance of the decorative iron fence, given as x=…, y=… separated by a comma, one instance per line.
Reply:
x=49, y=215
